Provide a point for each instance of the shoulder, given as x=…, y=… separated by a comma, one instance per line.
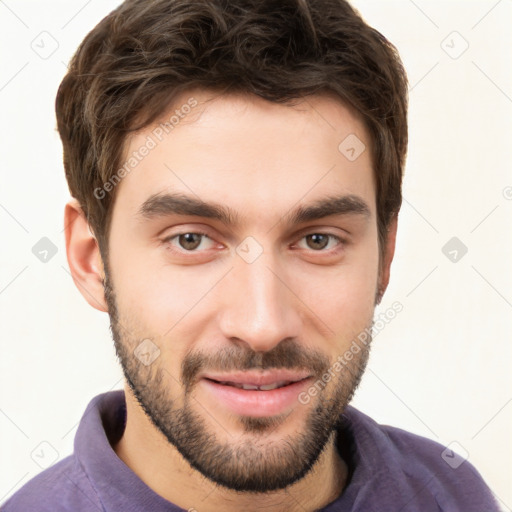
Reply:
x=443, y=472
x=63, y=487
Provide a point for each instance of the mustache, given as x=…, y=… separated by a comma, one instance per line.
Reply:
x=288, y=354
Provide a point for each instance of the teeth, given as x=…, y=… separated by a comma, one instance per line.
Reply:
x=268, y=387
x=252, y=387
x=248, y=386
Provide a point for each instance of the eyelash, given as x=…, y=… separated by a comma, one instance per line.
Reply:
x=184, y=251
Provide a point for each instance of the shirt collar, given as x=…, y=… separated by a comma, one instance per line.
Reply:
x=373, y=469
x=116, y=485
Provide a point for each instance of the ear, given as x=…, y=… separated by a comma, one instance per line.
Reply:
x=388, y=254
x=84, y=256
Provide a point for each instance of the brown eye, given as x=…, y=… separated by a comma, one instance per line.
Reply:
x=319, y=241
x=190, y=241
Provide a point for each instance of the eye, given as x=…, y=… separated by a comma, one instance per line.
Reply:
x=192, y=241
x=319, y=241
x=189, y=241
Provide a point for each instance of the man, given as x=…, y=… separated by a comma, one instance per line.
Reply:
x=236, y=172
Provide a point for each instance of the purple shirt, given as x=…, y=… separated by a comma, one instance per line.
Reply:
x=390, y=470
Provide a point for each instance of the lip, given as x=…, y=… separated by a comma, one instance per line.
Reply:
x=258, y=378
x=255, y=403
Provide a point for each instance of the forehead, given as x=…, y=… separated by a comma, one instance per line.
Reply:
x=259, y=157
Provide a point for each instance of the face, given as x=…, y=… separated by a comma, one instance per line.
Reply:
x=243, y=262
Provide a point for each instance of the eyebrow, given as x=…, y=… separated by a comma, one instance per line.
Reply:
x=167, y=204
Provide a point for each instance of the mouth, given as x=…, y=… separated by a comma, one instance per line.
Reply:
x=263, y=380
x=253, y=387
x=257, y=394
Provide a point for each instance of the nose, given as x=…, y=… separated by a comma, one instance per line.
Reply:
x=259, y=307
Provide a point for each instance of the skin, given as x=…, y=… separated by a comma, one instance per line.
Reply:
x=262, y=160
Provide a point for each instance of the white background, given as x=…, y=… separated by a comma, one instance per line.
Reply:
x=441, y=369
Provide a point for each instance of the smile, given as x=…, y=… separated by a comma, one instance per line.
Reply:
x=256, y=394
x=263, y=387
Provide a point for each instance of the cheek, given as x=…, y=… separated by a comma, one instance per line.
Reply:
x=342, y=297
x=158, y=300
x=346, y=302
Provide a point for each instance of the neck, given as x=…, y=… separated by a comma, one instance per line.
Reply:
x=162, y=468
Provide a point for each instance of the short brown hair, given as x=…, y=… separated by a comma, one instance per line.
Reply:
x=140, y=57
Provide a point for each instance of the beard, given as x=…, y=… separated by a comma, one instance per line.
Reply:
x=253, y=462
